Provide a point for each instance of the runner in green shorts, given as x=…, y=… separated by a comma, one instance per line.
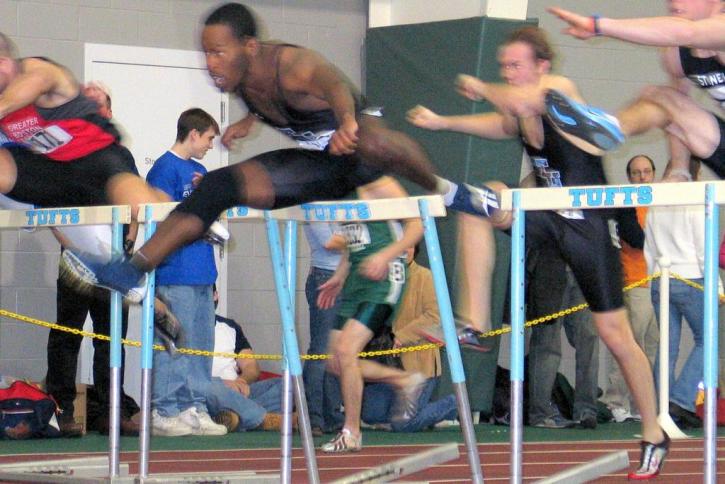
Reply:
x=371, y=280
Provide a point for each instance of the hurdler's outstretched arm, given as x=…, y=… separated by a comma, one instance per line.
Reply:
x=707, y=33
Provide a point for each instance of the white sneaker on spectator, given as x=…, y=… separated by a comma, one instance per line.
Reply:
x=447, y=423
x=201, y=423
x=169, y=426
x=621, y=415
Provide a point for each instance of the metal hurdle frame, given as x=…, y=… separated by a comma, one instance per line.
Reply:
x=91, y=470
x=283, y=263
x=519, y=201
x=663, y=399
x=115, y=215
x=284, y=270
x=150, y=215
x=425, y=208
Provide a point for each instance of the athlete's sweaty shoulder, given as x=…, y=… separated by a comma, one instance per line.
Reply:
x=296, y=64
x=53, y=82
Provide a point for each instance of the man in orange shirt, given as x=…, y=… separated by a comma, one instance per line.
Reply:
x=640, y=169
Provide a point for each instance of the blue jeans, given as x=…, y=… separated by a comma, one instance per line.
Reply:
x=688, y=302
x=264, y=396
x=321, y=388
x=181, y=381
x=379, y=400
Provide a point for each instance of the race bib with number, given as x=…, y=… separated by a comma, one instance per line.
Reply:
x=357, y=236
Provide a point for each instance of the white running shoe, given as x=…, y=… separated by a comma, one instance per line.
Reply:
x=201, y=423
x=343, y=443
x=169, y=426
x=217, y=234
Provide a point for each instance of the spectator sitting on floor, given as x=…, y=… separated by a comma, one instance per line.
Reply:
x=378, y=405
x=236, y=398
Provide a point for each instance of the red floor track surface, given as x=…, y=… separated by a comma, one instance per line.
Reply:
x=684, y=464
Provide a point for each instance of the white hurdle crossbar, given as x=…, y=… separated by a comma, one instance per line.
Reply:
x=709, y=194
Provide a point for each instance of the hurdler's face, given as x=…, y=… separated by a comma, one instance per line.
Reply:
x=518, y=65
x=227, y=58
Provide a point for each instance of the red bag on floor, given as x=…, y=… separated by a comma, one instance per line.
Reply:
x=26, y=412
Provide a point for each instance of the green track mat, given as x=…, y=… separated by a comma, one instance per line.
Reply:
x=94, y=442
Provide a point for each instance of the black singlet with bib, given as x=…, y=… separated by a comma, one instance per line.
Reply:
x=308, y=172
x=708, y=73
x=580, y=236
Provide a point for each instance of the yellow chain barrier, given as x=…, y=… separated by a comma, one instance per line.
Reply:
x=364, y=354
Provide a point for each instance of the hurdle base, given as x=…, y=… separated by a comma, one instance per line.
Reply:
x=95, y=470
x=669, y=426
x=230, y=477
x=405, y=466
x=591, y=470
x=89, y=469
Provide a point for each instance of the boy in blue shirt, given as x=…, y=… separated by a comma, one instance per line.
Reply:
x=185, y=279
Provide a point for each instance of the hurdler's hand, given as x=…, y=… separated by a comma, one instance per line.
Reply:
x=238, y=130
x=580, y=26
x=336, y=242
x=423, y=117
x=374, y=267
x=196, y=179
x=469, y=87
x=344, y=139
x=328, y=291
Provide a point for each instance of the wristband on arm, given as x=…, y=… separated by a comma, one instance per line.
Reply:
x=595, y=25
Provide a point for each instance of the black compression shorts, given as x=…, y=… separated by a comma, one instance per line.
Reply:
x=47, y=183
x=586, y=246
x=300, y=176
